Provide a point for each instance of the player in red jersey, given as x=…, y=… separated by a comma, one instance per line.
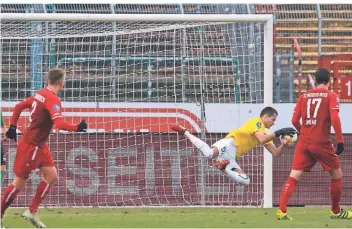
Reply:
x=32, y=150
x=315, y=112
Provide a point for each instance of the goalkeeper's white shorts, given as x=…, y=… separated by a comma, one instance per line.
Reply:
x=227, y=151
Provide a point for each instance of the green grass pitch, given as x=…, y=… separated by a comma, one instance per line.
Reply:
x=176, y=218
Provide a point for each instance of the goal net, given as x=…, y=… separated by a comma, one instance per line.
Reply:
x=131, y=77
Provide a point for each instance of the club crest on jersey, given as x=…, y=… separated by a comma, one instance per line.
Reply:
x=259, y=125
x=56, y=107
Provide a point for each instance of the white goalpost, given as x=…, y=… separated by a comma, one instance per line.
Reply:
x=131, y=77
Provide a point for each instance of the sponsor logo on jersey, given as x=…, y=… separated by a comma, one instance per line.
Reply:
x=39, y=97
x=318, y=94
x=56, y=107
x=259, y=125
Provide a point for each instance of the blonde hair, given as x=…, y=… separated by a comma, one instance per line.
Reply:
x=56, y=75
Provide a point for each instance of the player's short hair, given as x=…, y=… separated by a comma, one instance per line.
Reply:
x=269, y=111
x=55, y=75
x=322, y=76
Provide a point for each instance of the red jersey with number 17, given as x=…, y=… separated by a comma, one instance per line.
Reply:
x=45, y=107
x=316, y=108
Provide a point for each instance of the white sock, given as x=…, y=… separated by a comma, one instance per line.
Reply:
x=238, y=177
x=200, y=145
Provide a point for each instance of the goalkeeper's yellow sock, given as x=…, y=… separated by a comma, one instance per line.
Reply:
x=2, y=177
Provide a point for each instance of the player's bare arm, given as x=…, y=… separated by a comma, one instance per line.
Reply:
x=264, y=138
x=275, y=151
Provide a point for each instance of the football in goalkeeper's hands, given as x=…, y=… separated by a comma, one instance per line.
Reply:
x=287, y=139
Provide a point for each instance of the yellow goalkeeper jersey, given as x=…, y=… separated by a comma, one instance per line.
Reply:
x=244, y=137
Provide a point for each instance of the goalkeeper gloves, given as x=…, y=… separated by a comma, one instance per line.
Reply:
x=82, y=126
x=285, y=131
x=11, y=132
x=340, y=148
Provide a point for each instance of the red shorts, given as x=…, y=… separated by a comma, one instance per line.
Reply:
x=307, y=155
x=30, y=157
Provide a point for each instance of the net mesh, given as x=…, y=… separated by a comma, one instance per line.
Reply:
x=65, y=29
x=164, y=64
x=90, y=79
x=131, y=82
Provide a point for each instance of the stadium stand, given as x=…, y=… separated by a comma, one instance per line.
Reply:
x=302, y=22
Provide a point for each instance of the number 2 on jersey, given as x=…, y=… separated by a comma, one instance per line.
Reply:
x=34, y=105
x=316, y=101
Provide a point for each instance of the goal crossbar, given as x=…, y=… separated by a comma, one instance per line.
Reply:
x=135, y=18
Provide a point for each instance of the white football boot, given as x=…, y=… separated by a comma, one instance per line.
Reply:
x=33, y=219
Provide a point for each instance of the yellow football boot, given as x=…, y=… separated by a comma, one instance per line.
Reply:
x=282, y=216
x=343, y=214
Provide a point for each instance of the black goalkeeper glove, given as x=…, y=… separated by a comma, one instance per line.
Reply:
x=82, y=126
x=340, y=148
x=11, y=132
x=285, y=131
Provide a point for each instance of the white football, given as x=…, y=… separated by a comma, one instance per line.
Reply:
x=287, y=139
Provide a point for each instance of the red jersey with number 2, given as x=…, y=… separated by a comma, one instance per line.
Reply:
x=45, y=107
x=315, y=108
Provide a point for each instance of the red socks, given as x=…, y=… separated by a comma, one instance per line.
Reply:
x=290, y=185
x=286, y=193
x=335, y=194
x=11, y=192
x=9, y=195
x=42, y=189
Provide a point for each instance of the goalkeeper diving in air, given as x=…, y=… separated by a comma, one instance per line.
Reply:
x=241, y=141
